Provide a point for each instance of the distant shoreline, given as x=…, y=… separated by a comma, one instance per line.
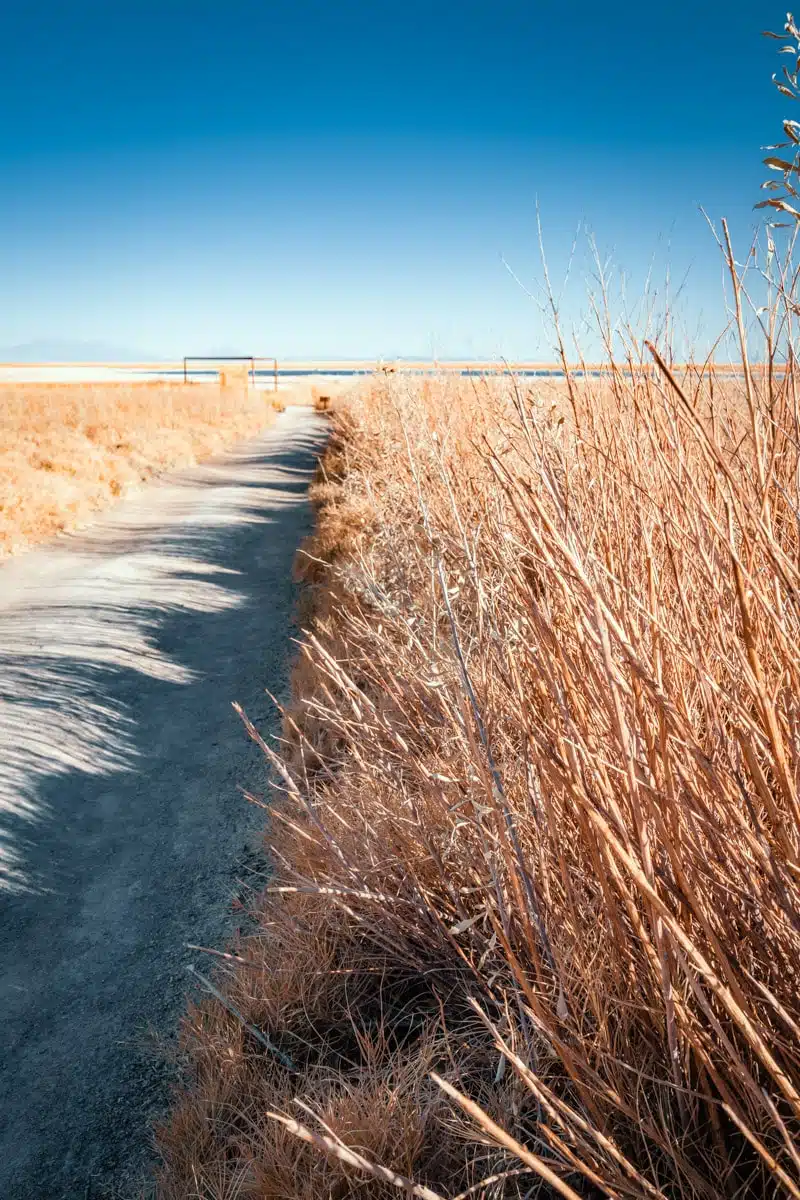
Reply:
x=265, y=371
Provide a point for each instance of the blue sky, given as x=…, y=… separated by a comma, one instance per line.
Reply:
x=345, y=179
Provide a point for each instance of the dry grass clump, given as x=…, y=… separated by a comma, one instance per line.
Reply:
x=67, y=450
x=362, y=1065
x=321, y=399
x=542, y=800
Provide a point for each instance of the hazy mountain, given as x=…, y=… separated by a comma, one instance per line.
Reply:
x=44, y=350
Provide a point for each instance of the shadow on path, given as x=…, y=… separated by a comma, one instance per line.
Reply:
x=121, y=824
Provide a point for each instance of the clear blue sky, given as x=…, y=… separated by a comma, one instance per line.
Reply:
x=342, y=178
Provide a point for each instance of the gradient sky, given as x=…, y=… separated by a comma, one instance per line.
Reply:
x=345, y=179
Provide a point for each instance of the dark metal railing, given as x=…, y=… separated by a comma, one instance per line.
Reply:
x=224, y=358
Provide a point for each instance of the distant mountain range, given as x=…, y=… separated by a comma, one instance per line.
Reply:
x=65, y=350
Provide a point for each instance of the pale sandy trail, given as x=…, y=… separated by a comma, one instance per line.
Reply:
x=122, y=830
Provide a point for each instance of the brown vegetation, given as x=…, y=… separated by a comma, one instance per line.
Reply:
x=67, y=450
x=540, y=835
x=320, y=399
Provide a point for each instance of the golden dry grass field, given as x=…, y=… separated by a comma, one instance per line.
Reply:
x=67, y=450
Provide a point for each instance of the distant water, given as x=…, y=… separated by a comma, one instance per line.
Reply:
x=339, y=373
x=265, y=376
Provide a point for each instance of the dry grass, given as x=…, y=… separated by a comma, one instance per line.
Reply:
x=67, y=450
x=535, y=917
x=321, y=398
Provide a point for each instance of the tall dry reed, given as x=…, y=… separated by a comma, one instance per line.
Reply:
x=540, y=829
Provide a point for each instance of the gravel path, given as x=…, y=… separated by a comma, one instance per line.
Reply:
x=123, y=833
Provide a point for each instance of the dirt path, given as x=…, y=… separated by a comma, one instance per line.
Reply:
x=122, y=831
